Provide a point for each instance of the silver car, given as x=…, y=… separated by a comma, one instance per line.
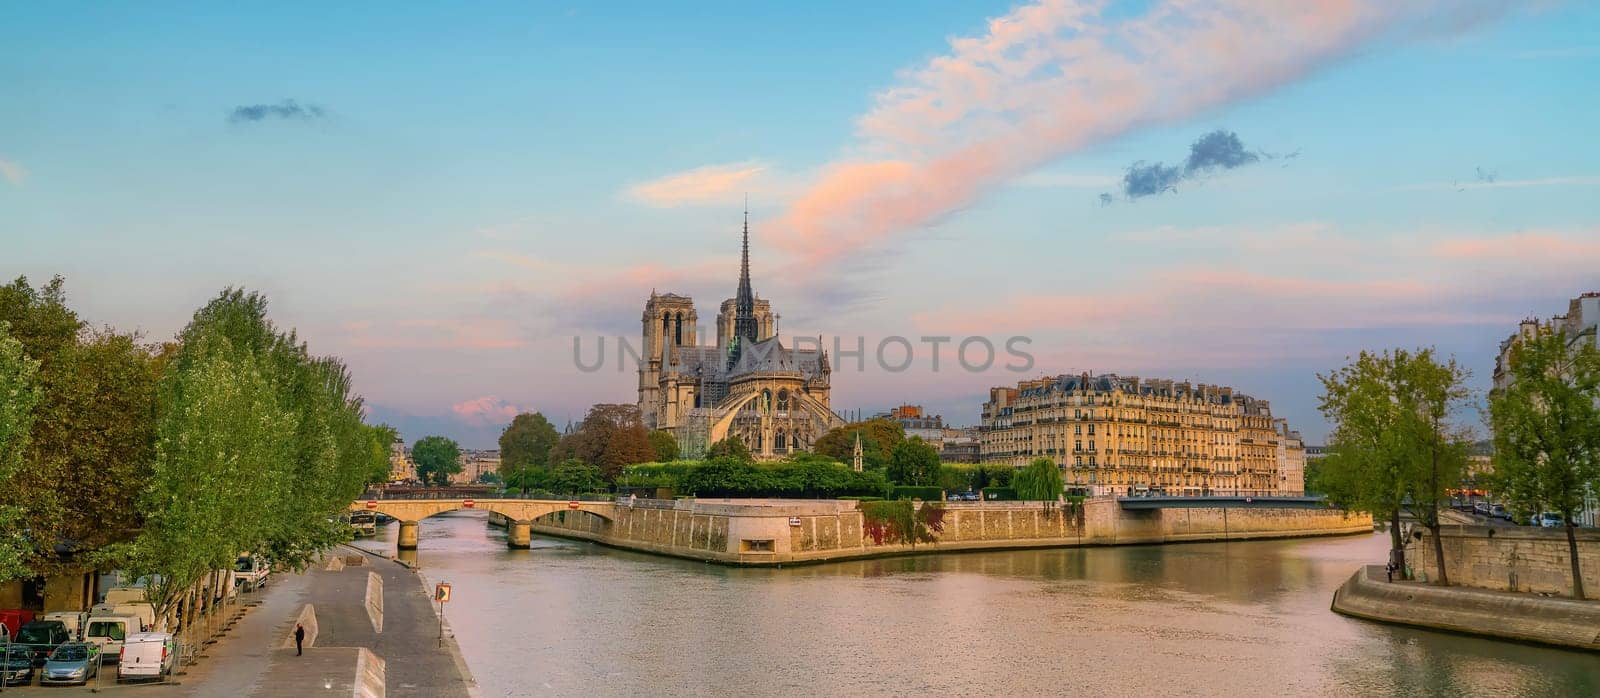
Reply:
x=74, y=662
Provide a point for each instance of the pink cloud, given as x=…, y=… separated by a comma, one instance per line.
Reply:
x=1053, y=77
x=488, y=409
x=452, y=333
x=1524, y=246
x=702, y=185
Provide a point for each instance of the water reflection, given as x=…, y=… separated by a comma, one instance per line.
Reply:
x=1196, y=619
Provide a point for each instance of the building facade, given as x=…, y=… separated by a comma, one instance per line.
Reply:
x=773, y=397
x=1581, y=324
x=1291, y=461
x=1121, y=435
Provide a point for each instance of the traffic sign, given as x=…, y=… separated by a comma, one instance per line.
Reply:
x=573, y=504
x=372, y=504
x=468, y=503
x=441, y=592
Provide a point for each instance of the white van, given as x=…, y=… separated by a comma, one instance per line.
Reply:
x=109, y=632
x=121, y=595
x=251, y=571
x=139, y=609
x=146, y=656
x=74, y=620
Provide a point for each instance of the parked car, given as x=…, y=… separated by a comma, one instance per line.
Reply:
x=14, y=618
x=1499, y=512
x=1481, y=508
x=146, y=656
x=109, y=632
x=1548, y=519
x=251, y=571
x=953, y=497
x=74, y=662
x=17, y=665
x=969, y=496
x=41, y=637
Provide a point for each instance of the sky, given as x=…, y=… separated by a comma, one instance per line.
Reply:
x=454, y=198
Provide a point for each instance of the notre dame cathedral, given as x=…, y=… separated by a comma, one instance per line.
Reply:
x=774, y=398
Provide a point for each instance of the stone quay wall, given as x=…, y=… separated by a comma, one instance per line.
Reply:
x=1525, y=617
x=1510, y=558
x=775, y=532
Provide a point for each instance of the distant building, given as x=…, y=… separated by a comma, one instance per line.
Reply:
x=1582, y=324
x=955, y=445
x=474, y=464
x=401, y=469
x=1122, y=435
x=1291, y=461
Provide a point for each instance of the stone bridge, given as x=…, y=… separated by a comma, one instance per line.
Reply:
x=520, y=513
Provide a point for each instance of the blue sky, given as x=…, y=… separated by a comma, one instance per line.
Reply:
x=465, y=189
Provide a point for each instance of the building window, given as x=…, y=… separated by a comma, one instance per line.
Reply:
x=1091, y=430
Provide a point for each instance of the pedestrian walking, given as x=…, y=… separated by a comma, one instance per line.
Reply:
x=299, y=637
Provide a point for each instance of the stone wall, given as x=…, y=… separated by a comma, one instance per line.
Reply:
x=770, y=532
x=1510, y=558
x=1526, y=617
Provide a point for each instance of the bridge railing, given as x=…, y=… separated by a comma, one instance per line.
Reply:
x=446, y=494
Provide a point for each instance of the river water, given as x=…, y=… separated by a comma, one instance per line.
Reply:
x=1204, y=619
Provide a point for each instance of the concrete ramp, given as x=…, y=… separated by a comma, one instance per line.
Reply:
x=308, y=620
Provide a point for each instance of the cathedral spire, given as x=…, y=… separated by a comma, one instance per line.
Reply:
x=744, y=319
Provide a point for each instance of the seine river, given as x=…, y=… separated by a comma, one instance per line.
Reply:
x=1202, y=619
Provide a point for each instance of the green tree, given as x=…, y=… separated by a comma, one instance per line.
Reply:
x=878, y=438
x=526, y=442
x=437, y=458
x=19, y=394
x=380, y=465
x=913, y=462
x=91, y=440
x=1365, y=465
x=731, y=448
x=576, y=477
x=1039, y=481
x=1428, y=393
x=611, y=437
x=665, y=444
x=1546, y=425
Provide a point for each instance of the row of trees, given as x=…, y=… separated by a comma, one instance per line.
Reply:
x=168, y=460
x=1400, y=441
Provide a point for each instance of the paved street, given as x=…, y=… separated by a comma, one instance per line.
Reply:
x=251, y=660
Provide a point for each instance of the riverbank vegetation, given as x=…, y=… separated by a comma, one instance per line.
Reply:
x=167, y=460
x=1401, y=438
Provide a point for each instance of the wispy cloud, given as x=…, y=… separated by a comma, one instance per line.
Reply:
x=287, y=109
x=1496, y=183
x=1054, y=77
x=711, y=184
x=12, y=172
x=488, y=409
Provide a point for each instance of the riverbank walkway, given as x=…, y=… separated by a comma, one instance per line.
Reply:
x=257, y=658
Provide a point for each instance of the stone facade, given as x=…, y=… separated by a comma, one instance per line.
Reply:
x=1506, y=558
x=749, y=384
x=1126, y=436
x=774, y=532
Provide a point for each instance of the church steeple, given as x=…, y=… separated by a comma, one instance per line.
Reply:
x=744, y=319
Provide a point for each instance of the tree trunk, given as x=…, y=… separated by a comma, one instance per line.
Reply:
x=1398, y=552
x=1438, y=554
x=1572, y=553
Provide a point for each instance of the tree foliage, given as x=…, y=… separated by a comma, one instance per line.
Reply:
x=91, y=439
x=1546, y=425
x=19, y=394
x=912, y=462
x=1393, y=440
x=437, y=458
x=901, y=521
x=878, y=438
x=611, y=437
x=665, y=445
x=527, y=441
x=809, y=478
x=576, y=477
x=379, y=464
x=258, y=445
x=731, y=448
x=1039, y=481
